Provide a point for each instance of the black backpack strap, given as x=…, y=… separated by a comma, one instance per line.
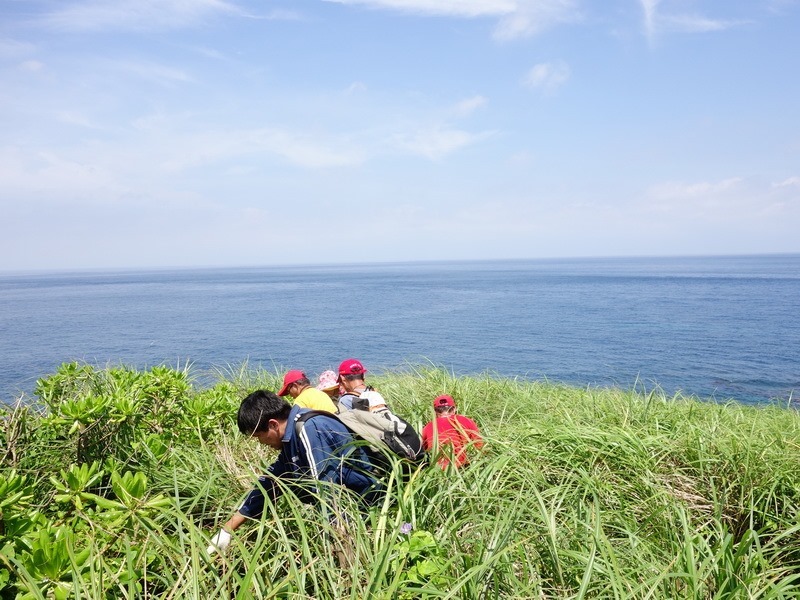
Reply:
x=301, y=418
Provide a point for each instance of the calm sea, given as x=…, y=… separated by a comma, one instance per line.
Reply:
x=722, y=327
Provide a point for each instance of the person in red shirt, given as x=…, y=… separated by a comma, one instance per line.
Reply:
x=450, y=429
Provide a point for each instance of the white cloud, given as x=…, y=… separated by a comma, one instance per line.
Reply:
x=136, y=15
x=279, y=15
x=790, y=182
x=655, y=22
x=10, y=48
x=73, y=118
x=356, y=87
x=691, y=191
x=438, y=142
x=155, y=160
x=306, y=151
x=547, y=76
x=696, y=24
x=649, y=9
x=733, y=200
x=300, y=149
x=534, y=16
x=154, y=72
x=455, y=8
x=517, y=18
x=780, y=6
x=31, y=66
x=55, y=177
x=469, y=105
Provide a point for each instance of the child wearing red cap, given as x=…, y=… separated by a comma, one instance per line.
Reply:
x=450, y=429
x=298, y=386
x=351, y=380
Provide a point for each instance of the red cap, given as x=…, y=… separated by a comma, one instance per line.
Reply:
x=444, y=400
x=351, y=366
x=289, y=379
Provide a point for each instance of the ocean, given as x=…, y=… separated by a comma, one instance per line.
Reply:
x=715, y=327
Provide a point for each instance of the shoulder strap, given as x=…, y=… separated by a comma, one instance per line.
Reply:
x=302, y=417
x=300, y=421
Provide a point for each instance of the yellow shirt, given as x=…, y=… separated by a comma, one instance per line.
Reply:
x=315, y=399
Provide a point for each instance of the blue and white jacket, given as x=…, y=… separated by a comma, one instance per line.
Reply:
x=322, y=451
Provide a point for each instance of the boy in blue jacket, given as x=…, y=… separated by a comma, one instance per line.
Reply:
x=323, y=450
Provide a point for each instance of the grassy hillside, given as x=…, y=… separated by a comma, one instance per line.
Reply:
x=113, y=483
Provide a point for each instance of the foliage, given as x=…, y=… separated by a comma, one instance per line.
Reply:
x=113, y=482
x=419, y=562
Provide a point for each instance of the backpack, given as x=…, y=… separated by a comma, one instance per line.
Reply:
x=385, y=429
x=382, y=431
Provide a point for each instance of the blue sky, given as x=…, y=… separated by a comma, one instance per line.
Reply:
x=156, y=133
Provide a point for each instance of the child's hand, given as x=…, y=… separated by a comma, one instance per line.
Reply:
x=220, y=542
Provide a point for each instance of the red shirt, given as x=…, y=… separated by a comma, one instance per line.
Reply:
x=456, y=430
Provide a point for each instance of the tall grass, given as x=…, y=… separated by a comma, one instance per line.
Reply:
x=578, y=493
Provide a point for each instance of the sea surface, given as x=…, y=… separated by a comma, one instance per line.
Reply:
x=715, y=327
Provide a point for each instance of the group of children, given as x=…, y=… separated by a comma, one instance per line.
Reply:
x=315, y=445
x=343, y=391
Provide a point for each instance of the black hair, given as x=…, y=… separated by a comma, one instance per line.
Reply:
x=302, y=381
x=354, y=377
x=258, y=408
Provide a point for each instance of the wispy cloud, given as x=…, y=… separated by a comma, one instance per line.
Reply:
x=10, y=48
x=691, y=191
x=469, y=105
x=298, y=148
x=136, y=15
x=278, y=15
x=516, y=18
x=649, y=10
x=547, y=77
x=98, y=172
x=55, y=177
x=154, y=72
x=531, y=17
x=731, y=200
x=307, y=151
x=437, y=142
x=656, y=22
x=779, y=6
x=356, y=87
x=455, y=8
x=790, y=182
x=31, y=65
x=696, y=23
x=75, y=118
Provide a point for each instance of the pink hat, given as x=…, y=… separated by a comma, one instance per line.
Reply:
x=328, y=381
x=351, y=366
x=444, y=400
x=290, y=378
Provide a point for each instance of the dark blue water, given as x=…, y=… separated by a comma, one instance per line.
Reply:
x=722, y=327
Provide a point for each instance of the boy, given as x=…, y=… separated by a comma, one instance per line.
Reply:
x=323, y=450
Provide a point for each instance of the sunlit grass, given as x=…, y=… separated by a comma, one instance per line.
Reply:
x=578, y=493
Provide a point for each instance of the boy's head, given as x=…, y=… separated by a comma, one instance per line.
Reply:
x=263, y=415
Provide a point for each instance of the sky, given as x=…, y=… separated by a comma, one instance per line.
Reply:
x=215, y=133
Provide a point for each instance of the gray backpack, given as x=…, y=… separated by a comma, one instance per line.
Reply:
x=382, y=431
x=385, y=429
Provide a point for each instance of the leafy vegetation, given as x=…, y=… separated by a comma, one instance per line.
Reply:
x=114, y=480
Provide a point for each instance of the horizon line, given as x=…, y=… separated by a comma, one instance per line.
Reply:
x=387, y=263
